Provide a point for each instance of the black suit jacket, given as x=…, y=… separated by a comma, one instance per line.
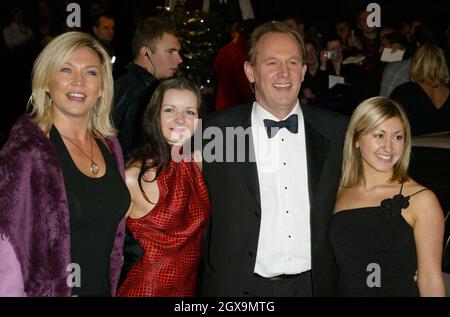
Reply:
x=132, y=93
x=232, y=237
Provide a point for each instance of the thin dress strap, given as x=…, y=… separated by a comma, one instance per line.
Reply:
x=419, y=191
x=401, y=189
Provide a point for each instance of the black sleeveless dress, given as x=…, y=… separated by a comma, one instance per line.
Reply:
x=375, y=250
x=96, y=206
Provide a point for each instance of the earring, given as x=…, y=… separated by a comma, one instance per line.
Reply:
x=30, y=101
x=49, y=97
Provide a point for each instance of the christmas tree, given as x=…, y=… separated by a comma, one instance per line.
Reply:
x=202, y=35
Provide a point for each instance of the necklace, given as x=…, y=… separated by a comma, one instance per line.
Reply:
x=94, y=166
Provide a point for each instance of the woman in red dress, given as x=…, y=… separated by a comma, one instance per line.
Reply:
x=170, y=204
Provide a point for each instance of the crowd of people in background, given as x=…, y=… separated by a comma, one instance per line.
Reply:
x=333, y=80
x=344, y=58
x=95, y=136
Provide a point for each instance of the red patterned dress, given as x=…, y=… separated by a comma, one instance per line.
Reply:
x=171, y=235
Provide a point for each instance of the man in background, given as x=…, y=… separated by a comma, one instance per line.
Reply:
x=233, y=87
x=156, y=56
x=104, y=28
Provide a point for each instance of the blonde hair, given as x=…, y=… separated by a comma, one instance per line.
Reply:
x=366, y=117
x=428, y=66
x=46, y=66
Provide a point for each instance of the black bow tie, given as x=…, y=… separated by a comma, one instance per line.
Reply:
x=290, y=123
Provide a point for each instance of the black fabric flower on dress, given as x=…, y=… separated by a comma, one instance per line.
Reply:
x=391, y=207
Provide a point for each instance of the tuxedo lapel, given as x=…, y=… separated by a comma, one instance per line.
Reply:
x=249, y=174
x=247, y=169
x=317, y=147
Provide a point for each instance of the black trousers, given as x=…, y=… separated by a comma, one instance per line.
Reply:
x=299, y=285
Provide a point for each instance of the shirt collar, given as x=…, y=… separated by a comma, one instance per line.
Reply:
x=260, y=114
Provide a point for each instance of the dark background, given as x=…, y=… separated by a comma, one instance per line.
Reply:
x=16, y=70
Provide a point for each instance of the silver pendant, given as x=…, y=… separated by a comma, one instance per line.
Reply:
x=94, y=168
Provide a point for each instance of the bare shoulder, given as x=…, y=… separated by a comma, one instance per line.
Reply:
x=411, y=187
x=341, y=191
x=423, y=201
x=342, y=199
x=131, y=177
x=418, y=193
x=134, y=168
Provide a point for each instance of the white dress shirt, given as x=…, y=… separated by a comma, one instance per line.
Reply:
x=284, y=245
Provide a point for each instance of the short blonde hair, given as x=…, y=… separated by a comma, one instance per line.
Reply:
x=366, y=117
x=46, y=66
x=428, y=66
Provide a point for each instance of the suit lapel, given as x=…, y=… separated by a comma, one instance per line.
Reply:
x=248, y=169
x=317, y=147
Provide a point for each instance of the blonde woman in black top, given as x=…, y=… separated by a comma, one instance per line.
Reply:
x=386, y=227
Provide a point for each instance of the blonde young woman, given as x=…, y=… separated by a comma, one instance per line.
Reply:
x=385, y=226
x=426, y=98
x=62, y=191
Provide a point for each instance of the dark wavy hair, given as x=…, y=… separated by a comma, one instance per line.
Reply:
x=153, y=151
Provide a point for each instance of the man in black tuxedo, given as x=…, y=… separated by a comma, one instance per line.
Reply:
x=270, y=210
